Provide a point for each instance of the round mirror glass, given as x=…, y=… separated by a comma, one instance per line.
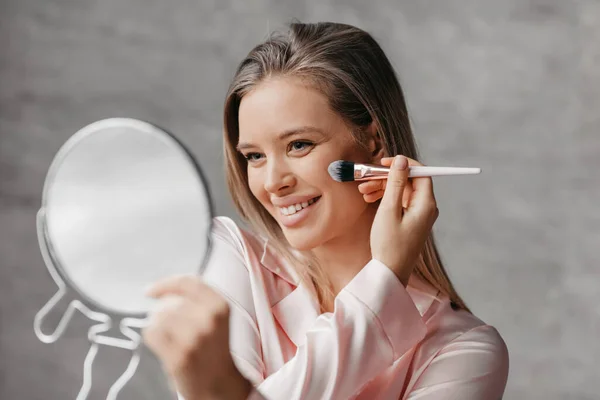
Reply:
x=125, y=205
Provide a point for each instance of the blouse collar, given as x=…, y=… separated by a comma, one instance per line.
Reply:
x=297, y=311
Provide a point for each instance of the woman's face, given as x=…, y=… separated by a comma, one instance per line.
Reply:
x=289, y=136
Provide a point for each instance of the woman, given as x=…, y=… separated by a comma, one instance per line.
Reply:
x=338, y=291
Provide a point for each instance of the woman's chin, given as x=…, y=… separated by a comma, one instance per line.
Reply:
x=300, y=241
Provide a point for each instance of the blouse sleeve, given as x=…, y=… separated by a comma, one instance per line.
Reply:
x=374, y=323
x=473, y=366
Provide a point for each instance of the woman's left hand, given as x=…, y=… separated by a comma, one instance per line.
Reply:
x=189, y=333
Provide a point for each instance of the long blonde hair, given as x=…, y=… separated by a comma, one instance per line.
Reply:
x=348, y=66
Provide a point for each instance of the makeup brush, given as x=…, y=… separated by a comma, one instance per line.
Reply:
x=347, y=171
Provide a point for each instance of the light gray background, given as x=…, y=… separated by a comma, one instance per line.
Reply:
x=510, y=86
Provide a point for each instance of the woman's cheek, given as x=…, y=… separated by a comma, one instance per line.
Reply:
x=313, y=171
x=257, y=189
x=347, y=200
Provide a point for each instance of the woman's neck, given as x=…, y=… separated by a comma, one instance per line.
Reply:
x=343, y=257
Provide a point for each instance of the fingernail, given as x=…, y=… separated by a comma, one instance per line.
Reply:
x=400, y=162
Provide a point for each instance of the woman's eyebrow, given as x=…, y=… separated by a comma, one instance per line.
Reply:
x=284, y=135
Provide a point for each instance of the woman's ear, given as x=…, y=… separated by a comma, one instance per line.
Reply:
x=375, y=144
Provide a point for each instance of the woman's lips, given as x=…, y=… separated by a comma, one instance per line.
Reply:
x=292, y=220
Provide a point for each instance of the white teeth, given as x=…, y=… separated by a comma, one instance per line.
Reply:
x=296, y=207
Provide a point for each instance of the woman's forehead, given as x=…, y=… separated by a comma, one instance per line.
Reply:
x=281, y=106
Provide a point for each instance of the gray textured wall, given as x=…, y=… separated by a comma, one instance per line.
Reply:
x=510, y=86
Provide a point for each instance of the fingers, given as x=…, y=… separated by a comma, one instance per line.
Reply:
x=372, y=186
x=188, y=286
x=396, y=182
x=423, y=197
x=373, y=190
x=172, y=330
x=181, y=323
x=375, y=185
x=387, y=161
x=373, y=196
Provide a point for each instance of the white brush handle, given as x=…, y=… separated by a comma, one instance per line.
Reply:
x=367, y=172
x=418, y=171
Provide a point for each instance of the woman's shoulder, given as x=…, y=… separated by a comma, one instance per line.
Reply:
x=469, y=327
x=451, y=327
x=459, y=346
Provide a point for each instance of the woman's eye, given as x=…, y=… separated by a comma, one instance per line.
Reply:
x=252, y=156
x=300, y=145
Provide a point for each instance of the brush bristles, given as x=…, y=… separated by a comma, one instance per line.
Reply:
x=341, y=171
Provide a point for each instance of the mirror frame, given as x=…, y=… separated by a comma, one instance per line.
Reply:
x=60, y=156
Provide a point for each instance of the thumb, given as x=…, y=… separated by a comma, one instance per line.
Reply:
x=396, y=182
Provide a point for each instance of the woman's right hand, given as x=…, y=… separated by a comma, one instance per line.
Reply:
x=399, y=233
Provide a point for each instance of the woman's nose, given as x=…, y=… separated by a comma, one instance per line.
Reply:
x=279, y=178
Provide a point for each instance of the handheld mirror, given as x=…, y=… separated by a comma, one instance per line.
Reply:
x=124, y=205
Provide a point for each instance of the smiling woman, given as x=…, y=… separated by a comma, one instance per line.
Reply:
x=337, y=291
x=286, y=169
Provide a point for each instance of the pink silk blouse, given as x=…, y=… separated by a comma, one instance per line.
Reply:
x=382, y=341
